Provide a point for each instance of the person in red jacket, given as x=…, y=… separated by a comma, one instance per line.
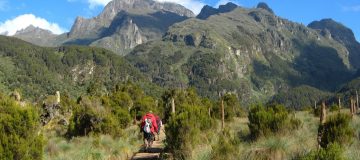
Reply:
x=149, y=128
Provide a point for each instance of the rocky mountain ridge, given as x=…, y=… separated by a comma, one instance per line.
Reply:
x=250, y=52
x=36, y=35
x=122, y=25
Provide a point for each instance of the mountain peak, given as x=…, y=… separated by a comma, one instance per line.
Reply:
x=338, y=31
x=90, y=28
x=263, y=5
x=208, y=11
x=34, y=31
x=227, y=7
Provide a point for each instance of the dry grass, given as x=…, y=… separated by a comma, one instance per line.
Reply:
x=94, y=148
x=286, y=145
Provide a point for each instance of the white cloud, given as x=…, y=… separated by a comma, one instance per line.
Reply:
x=9, y=27
x=193, y=5
x=355, y=8
x=221, y=2
x=94, y=3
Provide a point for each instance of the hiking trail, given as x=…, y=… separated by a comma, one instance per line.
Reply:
x=154, y=152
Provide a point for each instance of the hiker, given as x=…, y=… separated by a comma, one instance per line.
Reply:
x=159, y=124
x=149, y=128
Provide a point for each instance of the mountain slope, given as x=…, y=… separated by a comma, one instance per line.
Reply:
x=250, y=52
x=36, y=35
x=122, y=25
x=37, y=71
x=332, y=29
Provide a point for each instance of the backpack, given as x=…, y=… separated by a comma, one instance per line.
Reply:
x=147, y=126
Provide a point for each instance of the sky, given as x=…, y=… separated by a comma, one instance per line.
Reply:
x=59, y=15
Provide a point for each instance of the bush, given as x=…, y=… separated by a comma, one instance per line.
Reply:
x=19, y=131
x=91, y=116
x=332, y=152
x=264, y=121
x=232, y=108
x=226, y=147
x=334, y=107
x=191, y=122
x=336, y=130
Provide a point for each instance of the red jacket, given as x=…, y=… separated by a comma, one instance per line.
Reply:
x=154, y=127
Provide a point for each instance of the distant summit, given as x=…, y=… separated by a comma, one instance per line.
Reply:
x=263, y=5
x=35, y=35
x=208, y=11
x=32, y=29
x=337, y=31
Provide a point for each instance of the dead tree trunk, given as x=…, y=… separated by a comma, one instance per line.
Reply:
x=134, y=117
x=209, y=112
x=172, y=105
x=322, y=122
x=222, y=114
x=339, y=103
x=323, y=113
x=357, y=102
x=351, y=106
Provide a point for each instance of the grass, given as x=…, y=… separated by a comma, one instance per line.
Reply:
x=288, y=145
x=94, y=148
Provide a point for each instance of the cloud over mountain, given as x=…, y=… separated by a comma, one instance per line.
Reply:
x=9, y=27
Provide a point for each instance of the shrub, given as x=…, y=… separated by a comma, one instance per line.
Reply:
x=264, y=121
x=19, y=134
x=225, y=148
x=232, y=107
x=191, y=121
x=332, y=152
x=334, y=108
x=336, y=130
x=91, y=116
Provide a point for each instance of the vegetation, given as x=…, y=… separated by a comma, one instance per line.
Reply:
x=189, y=126
x=37, y=72
x=266, y=121
x=336, y=130
x=110, y=114
x=20, y=136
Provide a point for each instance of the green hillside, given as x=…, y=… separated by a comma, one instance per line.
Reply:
x=37, y=71
x=250, y=52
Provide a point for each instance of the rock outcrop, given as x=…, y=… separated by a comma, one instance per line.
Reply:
x=123, y=24
x=36, y=35
x=208, y=11
x=332, y=29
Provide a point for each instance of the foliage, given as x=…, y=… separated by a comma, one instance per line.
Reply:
x=19, y=131
x=265, y=121
x=188, y=124
x=90, y=117
x=232, y=107
x=226, y=147
x=334, y=107
x=110, y=114
x=332, y=152
x=299, y=97
x=38, y=71
x=336, y=129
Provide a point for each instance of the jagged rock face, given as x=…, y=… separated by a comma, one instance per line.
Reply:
x=263, y=5
x=37, y=35
x=125, y=37
x=251, y=52
x=150, y=20
x=332, y=29
x=208, y=11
